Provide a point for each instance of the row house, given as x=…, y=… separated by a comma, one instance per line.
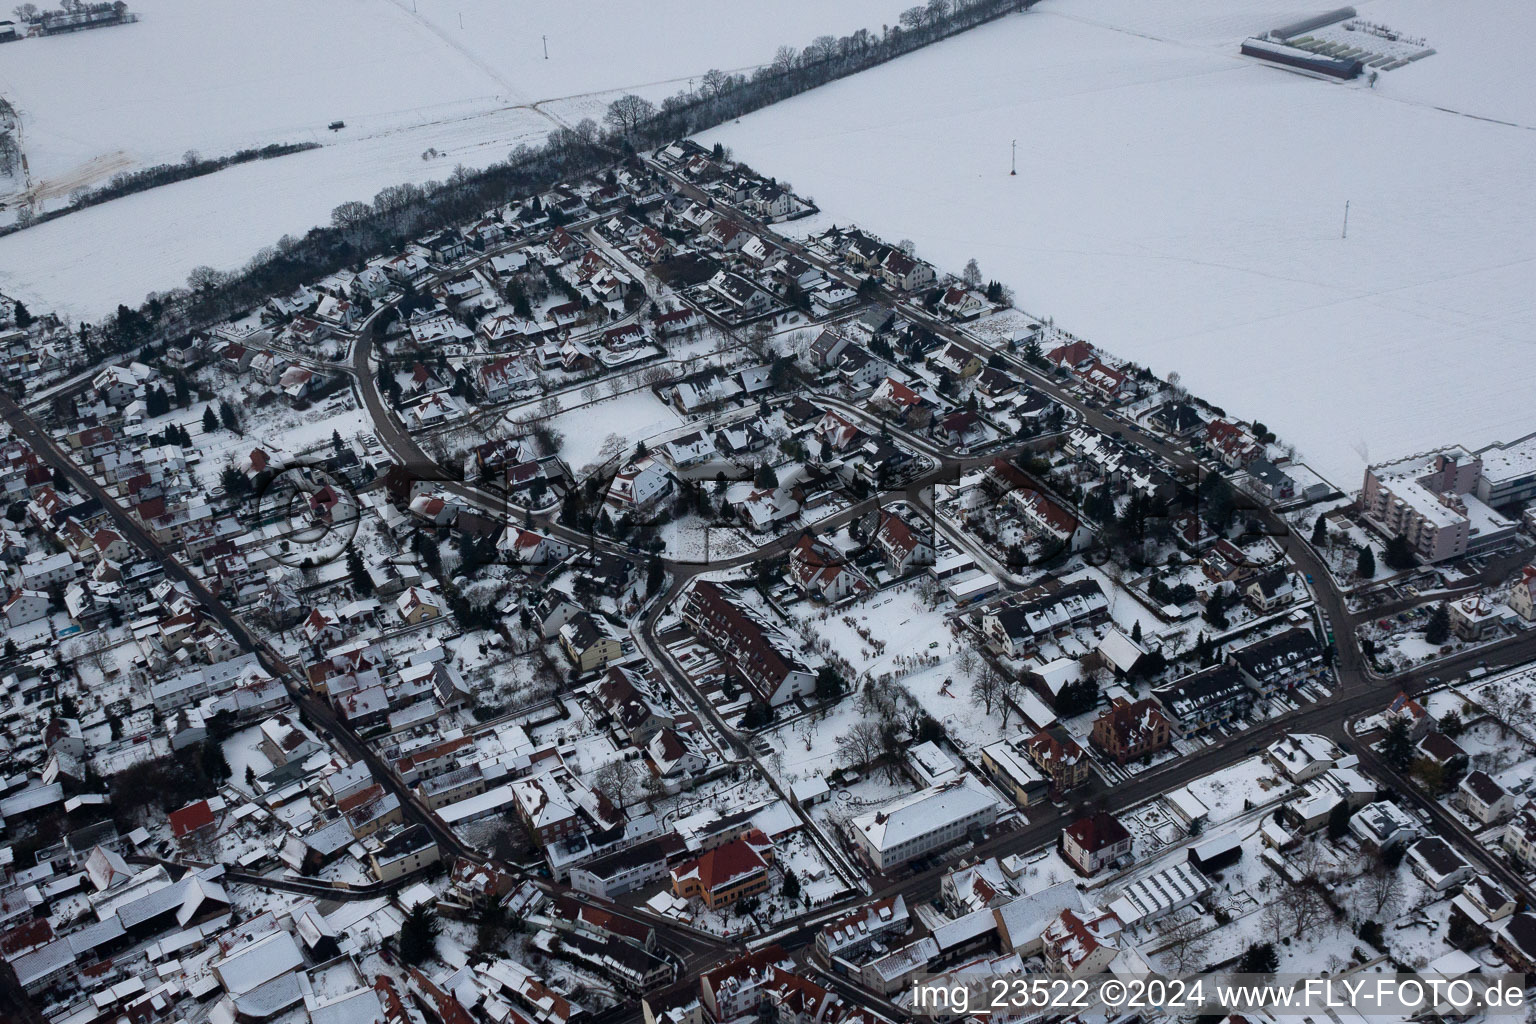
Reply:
x=756, y=653
x=1206, y=699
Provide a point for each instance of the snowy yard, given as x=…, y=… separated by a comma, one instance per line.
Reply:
x=594, y=432
x=1205, y=193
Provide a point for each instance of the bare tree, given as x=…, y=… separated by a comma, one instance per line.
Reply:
x=627, y=113
x=987, y=689
x=1381, y=894
x=862, y=744
x=821, y=48
x=620, y=781
x=1186, y=948
x=713, y=81
x=966, y=661
x=1306, y=909
x=971, y=275
x=350, y=216
x=1273, y=918
x=783, y=59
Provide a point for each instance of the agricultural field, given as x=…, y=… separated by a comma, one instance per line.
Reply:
x=419, y=94
x=1182, y=206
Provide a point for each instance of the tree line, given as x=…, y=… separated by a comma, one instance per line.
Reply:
x=126, y=183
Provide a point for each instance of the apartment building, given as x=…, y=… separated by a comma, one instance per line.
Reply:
x=1432, y=501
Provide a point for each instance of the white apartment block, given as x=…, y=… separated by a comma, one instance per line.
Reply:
x=1432, y=501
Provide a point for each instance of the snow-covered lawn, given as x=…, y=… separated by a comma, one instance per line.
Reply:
x=1182, y=206
x=896, y=634
x=632, y=417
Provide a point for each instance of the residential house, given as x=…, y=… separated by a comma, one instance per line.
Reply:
x=416, y=605
x=819, y=570
x=588, y=642
x=903, y=548
x=1481, y=796
x=1094, y=842
x=1130, y=731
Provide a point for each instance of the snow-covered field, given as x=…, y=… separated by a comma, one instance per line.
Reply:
x=402, y=74
x=631, y=417
x=1182, y=206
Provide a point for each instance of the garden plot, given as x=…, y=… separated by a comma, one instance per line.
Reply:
x=1498, y=750
x=685, y=539
x=1000, y=329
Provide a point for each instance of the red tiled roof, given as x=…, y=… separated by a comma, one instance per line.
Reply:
x=191, y=818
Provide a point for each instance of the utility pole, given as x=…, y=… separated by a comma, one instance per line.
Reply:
x=1014, y=170
x=1346, y=220
x=461, y=19
x=546, y=46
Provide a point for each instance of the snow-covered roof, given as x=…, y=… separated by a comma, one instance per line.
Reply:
x=925, y=811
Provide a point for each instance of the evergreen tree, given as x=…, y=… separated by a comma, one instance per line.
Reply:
x=1398, y=554
x=183, y=391
x=1439, y=629
x=791, y=889
x=210, y=421
x=1259, y=958
x=229, y=417
x=214, y=764
x=1319, y=532
x=1338, y=821
x=655, y=575
x=829, y=683
x=24, y=318
x=361, y=581
x=1397, y=747
x=1136, y=631
x=418, y=935
x=1365, y=564
x=250, y=778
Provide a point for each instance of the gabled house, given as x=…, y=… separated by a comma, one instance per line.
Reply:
x=1094, y=842
x=820, y=571
x=960, y=303
x=903, y=548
